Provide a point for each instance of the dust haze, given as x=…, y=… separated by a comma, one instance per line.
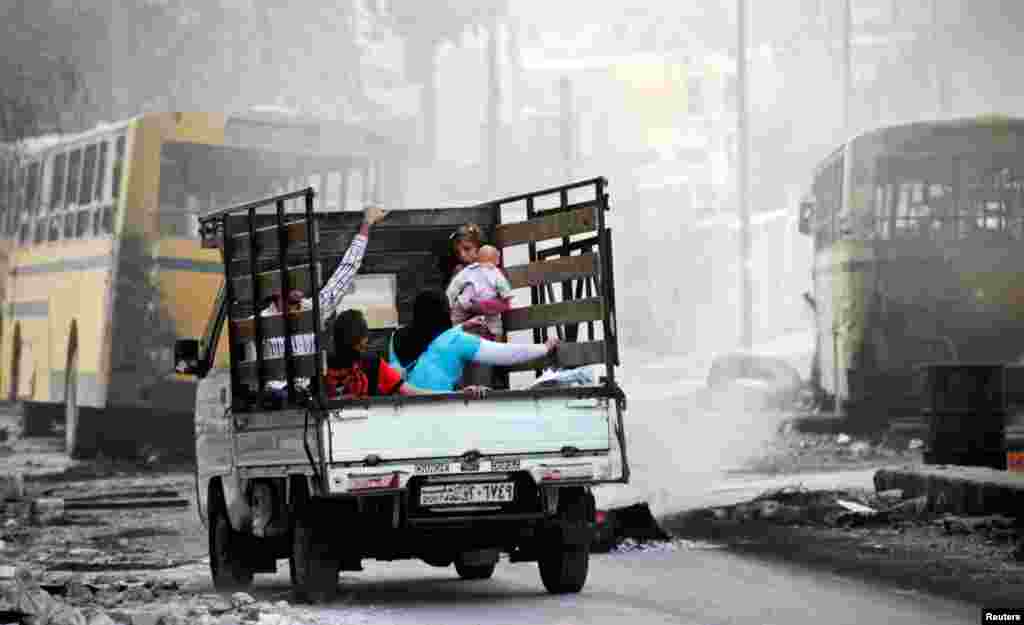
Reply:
x=499, y=97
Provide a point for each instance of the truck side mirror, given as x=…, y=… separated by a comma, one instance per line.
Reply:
x=806, y=215
x=186, y=356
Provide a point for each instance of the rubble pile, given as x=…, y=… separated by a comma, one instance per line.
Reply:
x=882, y=512
x=791, y=451
x=24, y=598
x=630, y=545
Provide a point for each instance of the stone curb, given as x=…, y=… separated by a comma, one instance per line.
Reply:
x=971, y=491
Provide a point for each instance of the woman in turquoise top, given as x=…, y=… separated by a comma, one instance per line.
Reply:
x=432, y=354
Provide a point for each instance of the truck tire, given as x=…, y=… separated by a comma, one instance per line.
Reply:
x=474, y=571
x=228, y=566
x=314, y=568
x=564, y=567
x=299, y=494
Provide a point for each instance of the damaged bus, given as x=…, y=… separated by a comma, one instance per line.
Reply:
x=917, y=232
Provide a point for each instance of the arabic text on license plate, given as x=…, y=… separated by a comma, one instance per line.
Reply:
x=445, y=494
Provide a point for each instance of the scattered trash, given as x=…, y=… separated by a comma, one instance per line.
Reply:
x=915, y=443
x=855, y=507
x=860, y=448
x=47, y=510
x=843, y=439
x=12, y=487
x=631, y=546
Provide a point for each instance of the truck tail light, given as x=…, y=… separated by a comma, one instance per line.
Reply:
x=600, y=517
x=373, y=482
x=555, y=473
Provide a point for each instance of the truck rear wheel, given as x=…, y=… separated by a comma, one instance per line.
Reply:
x=228, y=566
x=564, y=565
x=314, y=568
x=474, y=571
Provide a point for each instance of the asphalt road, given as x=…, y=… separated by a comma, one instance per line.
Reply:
x=678, y=455
x=691, y=585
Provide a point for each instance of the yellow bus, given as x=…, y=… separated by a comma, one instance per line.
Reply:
x=69, y=203
x=917, y=233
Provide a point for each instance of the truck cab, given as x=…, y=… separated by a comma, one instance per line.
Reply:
x=445, y=478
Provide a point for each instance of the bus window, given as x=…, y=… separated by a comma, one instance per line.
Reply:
x=109, y=215
x=828, y=193
x=74, y=167
x=88, y=175
x=55, y=228
x=40, y=227
x=115, y=188
x=32, y=188
x=60, y=163
x=101, y=172
x=82, y=226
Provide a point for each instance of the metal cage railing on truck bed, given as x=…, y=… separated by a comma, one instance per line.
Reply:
x=260, y=262
x=573, y=214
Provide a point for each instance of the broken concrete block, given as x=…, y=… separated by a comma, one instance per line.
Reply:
x=909, y=509
x=47, y=510
x=64, y=614
x=855, y=507
x=893, y=495
x=241, y=599
x=768, y=509
x=860, y=449
x=98, y=617
x=12, y=486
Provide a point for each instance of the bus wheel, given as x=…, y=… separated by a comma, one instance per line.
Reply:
x=564, y=567
x=227, y=564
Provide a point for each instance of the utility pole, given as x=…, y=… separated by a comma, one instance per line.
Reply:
x=939, y=68
x=567, y=126
x=847, y=79
x=742, y=149
x=493, y=105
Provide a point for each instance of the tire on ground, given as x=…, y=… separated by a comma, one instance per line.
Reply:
x=227, y=548
x=314, y=565
x=564, y=567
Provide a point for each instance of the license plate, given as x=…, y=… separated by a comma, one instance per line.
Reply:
x=448, y=494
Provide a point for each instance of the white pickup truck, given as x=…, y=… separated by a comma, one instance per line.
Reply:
x=443, y=478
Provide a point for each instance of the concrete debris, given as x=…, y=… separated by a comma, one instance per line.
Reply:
x=892, y=496
x=972, y=525
x=241, y=599
x=678, y=544
x=12, y=487
x=98, y=617
x=856, y=507
x=47, y=510
x=860, y=448
x=909, y=509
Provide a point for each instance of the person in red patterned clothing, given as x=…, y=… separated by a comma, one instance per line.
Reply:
x=352, y=373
